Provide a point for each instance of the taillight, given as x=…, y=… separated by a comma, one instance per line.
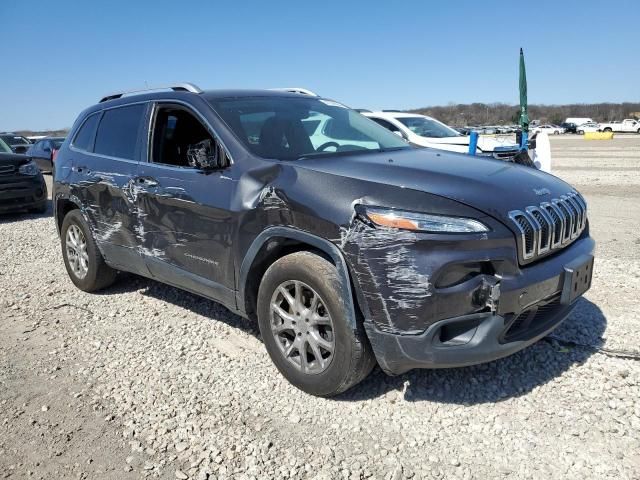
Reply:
x=54, y=154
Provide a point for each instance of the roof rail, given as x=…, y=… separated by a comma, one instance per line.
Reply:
x=363, y=110
x=178, y=87
x=302, y=91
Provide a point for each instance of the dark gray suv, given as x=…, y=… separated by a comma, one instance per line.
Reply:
x=348, y=246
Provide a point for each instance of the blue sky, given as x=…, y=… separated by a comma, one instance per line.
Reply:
x=60, y=57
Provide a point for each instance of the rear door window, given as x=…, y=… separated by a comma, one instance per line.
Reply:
x=117, y=134
x=86, y=134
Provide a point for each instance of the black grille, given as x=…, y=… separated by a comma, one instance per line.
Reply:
x=531, y=321
x=549, y=226
x=7, y=169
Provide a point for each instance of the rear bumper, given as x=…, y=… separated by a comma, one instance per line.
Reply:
x=23, y=194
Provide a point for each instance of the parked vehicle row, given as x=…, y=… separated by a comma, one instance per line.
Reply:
x=17, y=143
x=348, y=245
x=425, y=131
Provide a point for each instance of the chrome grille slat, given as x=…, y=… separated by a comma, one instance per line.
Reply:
x=549, y=226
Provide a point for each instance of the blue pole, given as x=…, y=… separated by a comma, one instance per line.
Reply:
x=473, y=143
x=524, y=141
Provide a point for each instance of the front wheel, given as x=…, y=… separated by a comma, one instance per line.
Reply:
x=607, y=130
x=580, y=132
x=303, y=321
x=82, y=258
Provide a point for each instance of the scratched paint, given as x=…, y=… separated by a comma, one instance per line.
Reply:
x=270, y=200
x=386, y=269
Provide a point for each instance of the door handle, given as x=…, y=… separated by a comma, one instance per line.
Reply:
x=80, y=169
x=147, y=181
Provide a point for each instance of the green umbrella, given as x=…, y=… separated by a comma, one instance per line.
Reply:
x=524, y=114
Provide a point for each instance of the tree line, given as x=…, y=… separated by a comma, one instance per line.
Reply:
x=504, y=114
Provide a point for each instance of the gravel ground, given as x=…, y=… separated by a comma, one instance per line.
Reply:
x=144, y=380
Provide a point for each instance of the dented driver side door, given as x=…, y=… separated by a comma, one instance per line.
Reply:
x=186, y=225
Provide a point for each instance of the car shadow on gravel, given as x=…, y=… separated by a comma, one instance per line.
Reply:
x=502, y=379
x=210, y=309
x=19, y=216
x=499, y=380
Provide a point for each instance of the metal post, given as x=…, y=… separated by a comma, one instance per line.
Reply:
x=473, y=142
x=524, y=142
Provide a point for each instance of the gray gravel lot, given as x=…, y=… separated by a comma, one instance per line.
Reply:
x=144, y=380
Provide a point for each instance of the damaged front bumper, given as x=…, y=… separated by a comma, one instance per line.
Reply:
x=456, y=342
x=515, y=307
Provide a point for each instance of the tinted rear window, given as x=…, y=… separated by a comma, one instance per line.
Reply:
x=118, y=132
x=84, y=137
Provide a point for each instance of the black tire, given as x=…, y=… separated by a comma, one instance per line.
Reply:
x=580, y=132
x=607, y=130
x=352, y=359
x=99, y=275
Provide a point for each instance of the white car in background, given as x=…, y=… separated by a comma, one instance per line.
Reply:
x=587, y=127
x=548, y=129
x=425, y=131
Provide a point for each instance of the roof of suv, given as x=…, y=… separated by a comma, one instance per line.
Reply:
x=124, y=98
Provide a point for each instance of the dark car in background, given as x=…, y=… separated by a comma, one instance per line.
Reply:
x=44, y=151
x=22, y=186
x=347, y=245
x=17, y=143
x=569, y=127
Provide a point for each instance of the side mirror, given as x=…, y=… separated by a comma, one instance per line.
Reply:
x=207, y=155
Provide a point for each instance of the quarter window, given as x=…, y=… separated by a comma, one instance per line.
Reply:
x=118, y=132
x=84, y=137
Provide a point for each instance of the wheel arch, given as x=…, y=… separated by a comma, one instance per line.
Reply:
x=276, y=242
x=61, y=207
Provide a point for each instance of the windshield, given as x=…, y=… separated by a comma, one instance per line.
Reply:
x=427, y=127
x=4, y=148
x=57, y=142
x=289, y=128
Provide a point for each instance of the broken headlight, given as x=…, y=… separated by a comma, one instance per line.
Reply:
x=29, y=168
x=421, y=222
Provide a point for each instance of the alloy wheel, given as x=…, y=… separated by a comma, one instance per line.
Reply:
x=77, y=255
x=302, y=327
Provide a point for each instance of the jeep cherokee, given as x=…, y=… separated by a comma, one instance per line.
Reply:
x=347, y=245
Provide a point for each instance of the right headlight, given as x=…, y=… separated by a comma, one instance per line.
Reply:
x=421, y=222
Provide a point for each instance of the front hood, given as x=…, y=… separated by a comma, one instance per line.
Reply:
x=486, y=144
x=492, y=186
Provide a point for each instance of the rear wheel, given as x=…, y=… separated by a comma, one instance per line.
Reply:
x=303, y=322
x=82, y=258
x=580, y=132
